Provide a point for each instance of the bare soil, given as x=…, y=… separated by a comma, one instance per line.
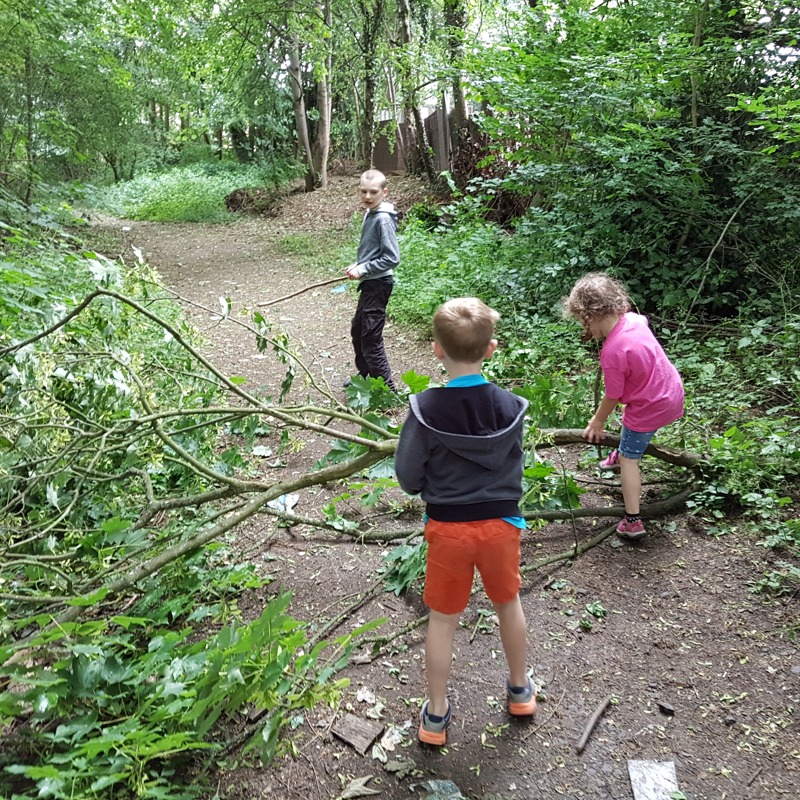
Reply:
x=702, y=672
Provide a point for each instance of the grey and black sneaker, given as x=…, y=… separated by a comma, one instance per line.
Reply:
x=433, y=729
x=521, y=699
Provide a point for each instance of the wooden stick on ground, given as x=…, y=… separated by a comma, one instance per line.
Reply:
x=300, y=291
x=587, y=731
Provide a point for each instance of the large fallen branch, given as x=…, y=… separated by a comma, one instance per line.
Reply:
x=555, y=437
x=229, y=499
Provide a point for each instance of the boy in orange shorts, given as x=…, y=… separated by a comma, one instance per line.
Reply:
x=461, y=449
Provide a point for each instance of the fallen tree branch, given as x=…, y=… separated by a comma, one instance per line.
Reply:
x=334, y=623
x=554, y=437
x=569, y=554
x=649, y=510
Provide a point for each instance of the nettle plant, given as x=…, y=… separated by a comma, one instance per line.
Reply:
x=121, y=704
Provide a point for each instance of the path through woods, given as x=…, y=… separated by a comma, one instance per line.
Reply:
x=700, y=671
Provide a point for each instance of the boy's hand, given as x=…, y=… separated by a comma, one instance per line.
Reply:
x=353, y=272
x=595, y=431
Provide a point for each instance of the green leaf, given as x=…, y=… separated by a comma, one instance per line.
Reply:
x=115, y=525
x=416, y=383
x=91, y=599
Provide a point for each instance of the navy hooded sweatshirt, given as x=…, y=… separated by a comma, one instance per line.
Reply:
x=461, y=450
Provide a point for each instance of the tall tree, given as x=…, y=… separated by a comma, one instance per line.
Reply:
x=373, y=14
x=455, y=20
x=409, y=92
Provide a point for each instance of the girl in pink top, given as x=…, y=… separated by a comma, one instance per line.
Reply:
x=636, y=373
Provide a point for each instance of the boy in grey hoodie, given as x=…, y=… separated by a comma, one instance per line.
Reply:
x=378, y=255
x=461, y=449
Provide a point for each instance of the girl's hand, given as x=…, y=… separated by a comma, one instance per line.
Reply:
x=595, y=430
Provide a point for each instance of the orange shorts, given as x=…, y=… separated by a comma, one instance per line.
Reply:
x=455, y=549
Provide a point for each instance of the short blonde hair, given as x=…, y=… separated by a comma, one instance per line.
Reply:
x=594, y=296
x=375, y=175
x=464, y=327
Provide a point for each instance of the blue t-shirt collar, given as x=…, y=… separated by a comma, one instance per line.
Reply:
x=465, y=381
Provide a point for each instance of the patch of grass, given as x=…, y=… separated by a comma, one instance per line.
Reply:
x=297, y=244
x=318, y=250
x=194, y=193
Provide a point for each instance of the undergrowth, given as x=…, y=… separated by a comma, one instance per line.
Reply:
x=194, y=193
x=742, y=376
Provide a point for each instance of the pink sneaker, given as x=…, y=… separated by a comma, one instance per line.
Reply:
x=611, y=461
x=630, y=530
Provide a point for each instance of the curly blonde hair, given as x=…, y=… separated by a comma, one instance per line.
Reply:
x=594, y=296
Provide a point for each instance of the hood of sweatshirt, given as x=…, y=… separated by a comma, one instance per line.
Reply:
x=486, y=433
x=384, y=206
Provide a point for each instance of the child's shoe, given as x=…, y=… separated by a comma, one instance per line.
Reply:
x=432, y=729
x=521, y=701
x=630, y=530
x=610, y=462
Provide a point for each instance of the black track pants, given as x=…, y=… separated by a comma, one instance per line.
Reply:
x=366, y=329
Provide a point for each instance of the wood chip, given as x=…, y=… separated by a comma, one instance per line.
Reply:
x=357, y=732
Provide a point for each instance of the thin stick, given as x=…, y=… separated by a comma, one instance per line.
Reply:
x=300, y=291
x=587, y=732
x=757, y=773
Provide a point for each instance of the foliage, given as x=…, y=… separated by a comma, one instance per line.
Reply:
x=194, y=193
x=545, y=488
x=590, y=111
x=107, y=415
x=462, y=261
x=403, y=566
x=126, y=701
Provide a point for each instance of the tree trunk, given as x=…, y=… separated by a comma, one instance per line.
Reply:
x=455, y=20
x=241, y=144
x=373, y=14
x=295, y=77
x=697, y=41
x=322, y=141
x=29, y=160
x=409, y=101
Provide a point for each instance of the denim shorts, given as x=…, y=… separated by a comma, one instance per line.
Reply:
x=632, y=444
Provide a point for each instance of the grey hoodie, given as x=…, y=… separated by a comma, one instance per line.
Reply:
x=461, y=449
x=378, y=252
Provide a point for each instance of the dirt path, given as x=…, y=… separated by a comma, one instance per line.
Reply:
x=701, y=672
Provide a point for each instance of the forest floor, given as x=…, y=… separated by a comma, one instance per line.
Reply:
x=702, y=672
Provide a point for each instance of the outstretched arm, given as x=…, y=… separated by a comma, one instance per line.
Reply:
x=596, y=429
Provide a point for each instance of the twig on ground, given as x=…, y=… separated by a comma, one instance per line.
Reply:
x=587, y=732
x=755, y=775
x=344, y=615
x=547, y=719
